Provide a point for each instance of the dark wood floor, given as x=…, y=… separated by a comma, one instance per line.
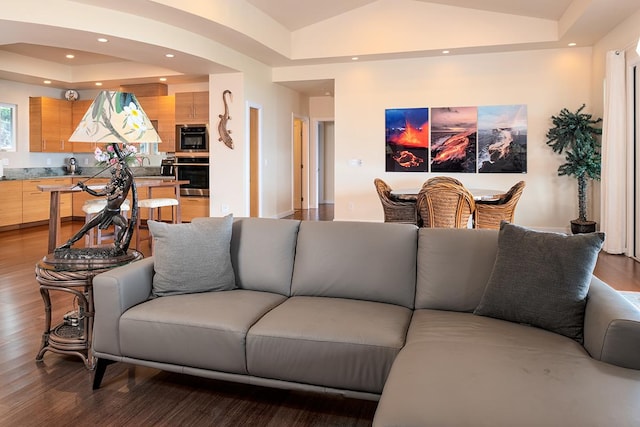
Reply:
x=58, y=391
x=324, y=212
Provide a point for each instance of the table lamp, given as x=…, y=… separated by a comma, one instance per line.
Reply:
x=113, y=118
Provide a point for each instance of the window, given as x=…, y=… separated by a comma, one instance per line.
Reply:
x=7, y=127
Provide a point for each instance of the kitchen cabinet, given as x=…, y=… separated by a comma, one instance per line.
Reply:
x=194, y=207
x=78, y=110
x=50, y=125
x=11, y=212
x=161, y=111
x=192, y=108
x=36, y=203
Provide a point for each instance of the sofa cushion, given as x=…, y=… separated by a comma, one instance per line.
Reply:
x=453, y=267
x=359, y=260
x=192, y=257
x=438, y=326
x=205, y=330
x=500, y=373
x=541, y=279
x=476, y=384
x=331, y=342
x=262, y=253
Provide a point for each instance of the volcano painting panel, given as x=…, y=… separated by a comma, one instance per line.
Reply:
x=502, y=139
x=407, y=140
x=453, y=139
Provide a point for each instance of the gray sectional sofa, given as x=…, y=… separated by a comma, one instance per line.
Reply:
x=373, y=311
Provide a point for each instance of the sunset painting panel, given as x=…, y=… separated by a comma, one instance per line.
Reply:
x=453, y=139
x=502, y=139
x=407, y=140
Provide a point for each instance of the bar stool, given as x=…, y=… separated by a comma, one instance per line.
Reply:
x=91, y=208
x=154, y=204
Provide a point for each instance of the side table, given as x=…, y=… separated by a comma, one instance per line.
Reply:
x=74, y=334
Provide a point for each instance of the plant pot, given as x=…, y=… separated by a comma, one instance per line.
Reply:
x=579, y=227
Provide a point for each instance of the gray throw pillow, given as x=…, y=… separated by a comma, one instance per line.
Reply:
x=541, y=279
x=193, y=257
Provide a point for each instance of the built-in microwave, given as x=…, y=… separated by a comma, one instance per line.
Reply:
x=192, y=138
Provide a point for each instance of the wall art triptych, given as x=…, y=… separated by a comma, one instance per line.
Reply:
x=488, y=139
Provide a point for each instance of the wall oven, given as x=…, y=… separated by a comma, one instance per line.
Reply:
x=192, y=138
x=194, y=169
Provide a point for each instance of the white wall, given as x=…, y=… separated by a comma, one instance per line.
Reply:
x=544, y=80
x=229, y=168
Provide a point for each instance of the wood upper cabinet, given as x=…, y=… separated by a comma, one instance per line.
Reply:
x=161, y=110
x=50, y=125
x=11, y=211
x=192, y=107
x=78, y=110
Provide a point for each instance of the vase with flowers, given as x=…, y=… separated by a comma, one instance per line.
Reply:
x=107, y=156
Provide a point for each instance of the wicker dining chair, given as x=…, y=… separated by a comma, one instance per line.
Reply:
x=489, y=214
x=444, y=203
x=395, y=210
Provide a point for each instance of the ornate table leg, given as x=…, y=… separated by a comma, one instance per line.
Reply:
x=47, y=323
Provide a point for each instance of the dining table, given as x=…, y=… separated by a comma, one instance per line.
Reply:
x=56, y=190
x=484, y=194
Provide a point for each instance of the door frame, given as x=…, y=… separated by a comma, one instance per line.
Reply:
x=251, y=105
x=305, y=161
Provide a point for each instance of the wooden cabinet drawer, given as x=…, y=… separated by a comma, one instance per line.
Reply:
x=36, y=203
x=11, y=211
x=194, y=207
x=35, y=206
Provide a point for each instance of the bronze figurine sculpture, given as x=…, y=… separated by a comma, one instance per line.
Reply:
x=116, y=192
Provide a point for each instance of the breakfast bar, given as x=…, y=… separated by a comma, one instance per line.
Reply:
x=57, y=190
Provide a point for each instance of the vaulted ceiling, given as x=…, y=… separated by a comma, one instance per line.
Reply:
x=207, y=37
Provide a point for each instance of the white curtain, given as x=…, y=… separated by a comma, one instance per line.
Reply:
x=614, y=155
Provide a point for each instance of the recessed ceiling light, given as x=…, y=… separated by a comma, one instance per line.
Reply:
x=170, y=55
x=163, y=79
x=572, y=44
x=445, y=51
x=98, y=83
x=102, y=40
x=69, y=56
x=354, y=58
x=47, y=82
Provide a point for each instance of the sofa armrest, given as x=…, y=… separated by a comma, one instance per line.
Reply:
x=611, y=327
x=114, y=292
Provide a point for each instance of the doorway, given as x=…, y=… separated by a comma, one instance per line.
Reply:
x=325, y=154
x=313, y=167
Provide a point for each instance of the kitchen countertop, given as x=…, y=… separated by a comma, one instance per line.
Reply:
x=13, y=174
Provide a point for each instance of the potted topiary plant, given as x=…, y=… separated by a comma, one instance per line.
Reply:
x=575, y=134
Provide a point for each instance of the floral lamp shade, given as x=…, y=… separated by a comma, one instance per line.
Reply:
x=115, y=117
